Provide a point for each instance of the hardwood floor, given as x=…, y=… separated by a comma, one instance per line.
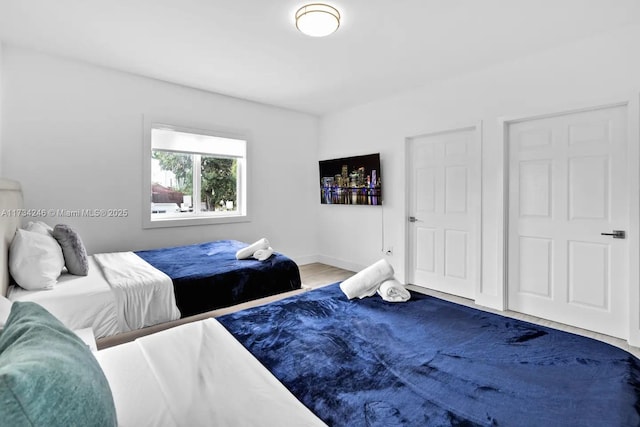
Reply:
x=317, y=275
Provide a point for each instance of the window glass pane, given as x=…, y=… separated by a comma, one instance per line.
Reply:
x=197, y=177
x=171, y=183
x=219, y=184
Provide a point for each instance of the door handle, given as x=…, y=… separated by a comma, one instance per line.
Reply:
x=617, y=234
x=413, y=219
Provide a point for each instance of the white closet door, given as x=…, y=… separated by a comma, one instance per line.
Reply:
x=444, y=208
x=568, y=184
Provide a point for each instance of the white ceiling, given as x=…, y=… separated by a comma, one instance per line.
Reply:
x=251, y=49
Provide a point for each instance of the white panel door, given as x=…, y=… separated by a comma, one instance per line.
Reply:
x=567, y=185
x=444, y=207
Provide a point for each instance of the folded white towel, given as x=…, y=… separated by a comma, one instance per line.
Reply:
x=247, y=252
x=263, y=254
x=393, y=291
x=366, y=282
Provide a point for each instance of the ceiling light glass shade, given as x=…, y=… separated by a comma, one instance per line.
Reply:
x=317, y=19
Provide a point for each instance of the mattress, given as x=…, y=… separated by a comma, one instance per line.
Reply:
x=196, y=374
x=78, y=301
x=208, y=276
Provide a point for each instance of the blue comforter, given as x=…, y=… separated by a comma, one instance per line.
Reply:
x=207, y=276
x=428, y=362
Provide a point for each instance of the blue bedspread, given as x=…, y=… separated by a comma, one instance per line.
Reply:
x=428, y=362
x=207, y=276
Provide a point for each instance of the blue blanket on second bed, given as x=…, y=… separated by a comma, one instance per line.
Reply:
x=429, y=362
x=207, y=276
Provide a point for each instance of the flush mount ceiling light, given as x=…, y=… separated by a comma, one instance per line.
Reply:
x=317, y=19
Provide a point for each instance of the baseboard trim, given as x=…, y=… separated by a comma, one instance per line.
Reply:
x=335, y=262
x=306, y=259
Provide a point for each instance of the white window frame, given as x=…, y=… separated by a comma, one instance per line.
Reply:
x=196, y=218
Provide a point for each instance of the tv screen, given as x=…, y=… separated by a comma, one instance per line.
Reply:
x=351, y=181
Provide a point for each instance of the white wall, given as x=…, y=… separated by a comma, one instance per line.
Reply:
x=590, y=72
x=73, y=137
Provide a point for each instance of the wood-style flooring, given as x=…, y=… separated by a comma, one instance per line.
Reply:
x=316, y=274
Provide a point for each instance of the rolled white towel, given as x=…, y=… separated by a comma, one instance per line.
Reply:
x=366, y=282
x=247, y=252
x=393, y=291
x=263, y=254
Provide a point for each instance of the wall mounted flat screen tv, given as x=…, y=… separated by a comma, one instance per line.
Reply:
x=351, y=181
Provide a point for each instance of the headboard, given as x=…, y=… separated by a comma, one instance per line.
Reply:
x=10, y=220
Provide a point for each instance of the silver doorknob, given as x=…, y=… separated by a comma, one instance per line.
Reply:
x=617, y=234
x=413, y=219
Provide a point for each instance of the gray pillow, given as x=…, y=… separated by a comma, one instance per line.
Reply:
x=75, y=255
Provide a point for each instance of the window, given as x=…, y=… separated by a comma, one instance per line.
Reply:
x=194, y=177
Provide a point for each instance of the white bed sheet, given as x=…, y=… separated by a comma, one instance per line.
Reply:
x=122, y=292
x=78, y=301
x=197, y=374
x=144, y=294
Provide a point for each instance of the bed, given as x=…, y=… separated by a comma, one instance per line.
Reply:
x=126, y=291
x=208, y=276
x=319, y=359
x=368, y=362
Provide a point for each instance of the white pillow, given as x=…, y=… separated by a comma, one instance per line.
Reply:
x=35, y=260
x=39, y=227
x=5, y=309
